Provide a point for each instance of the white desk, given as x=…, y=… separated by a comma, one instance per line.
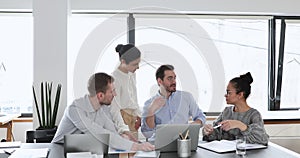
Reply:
x=273, y=151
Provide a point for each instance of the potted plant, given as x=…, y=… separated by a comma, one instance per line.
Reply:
x=47, y=109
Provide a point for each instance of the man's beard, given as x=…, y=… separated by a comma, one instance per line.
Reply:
x=172, y=88
x=105, y=103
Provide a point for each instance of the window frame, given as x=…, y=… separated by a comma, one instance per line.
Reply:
x=274, y=99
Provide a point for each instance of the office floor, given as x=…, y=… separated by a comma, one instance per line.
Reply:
x=291, y=143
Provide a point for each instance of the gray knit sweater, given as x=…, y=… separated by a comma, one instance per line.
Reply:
x=255, y=132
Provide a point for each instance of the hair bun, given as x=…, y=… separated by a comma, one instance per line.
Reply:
x=247, y=77
x=119, y=47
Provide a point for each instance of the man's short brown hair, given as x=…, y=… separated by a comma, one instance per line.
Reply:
x=99, y=83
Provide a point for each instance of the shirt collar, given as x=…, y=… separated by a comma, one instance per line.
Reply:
x=89, y=105
x=125, y=74
x=172, y=94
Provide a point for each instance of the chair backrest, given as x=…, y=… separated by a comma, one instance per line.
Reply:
x=39, y=136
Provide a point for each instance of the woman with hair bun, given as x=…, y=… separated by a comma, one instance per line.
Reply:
x=239, y=119
x=125, y=85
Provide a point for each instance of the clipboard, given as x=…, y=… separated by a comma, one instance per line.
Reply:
x=226, y=146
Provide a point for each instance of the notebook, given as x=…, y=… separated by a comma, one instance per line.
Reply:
x=224, y=146
x=86, y=143
x=166, y=136
x=25, y=153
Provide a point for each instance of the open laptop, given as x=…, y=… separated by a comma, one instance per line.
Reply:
x=166, y=136
x=86, y=143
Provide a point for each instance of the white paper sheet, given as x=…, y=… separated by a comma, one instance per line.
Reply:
x=15, y=144
x=83, y=155
x=30, y=153
x=149, y=154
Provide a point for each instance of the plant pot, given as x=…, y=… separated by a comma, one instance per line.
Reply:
x=47, y=134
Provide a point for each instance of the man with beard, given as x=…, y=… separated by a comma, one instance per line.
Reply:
x=169, y=106
x=90, y=115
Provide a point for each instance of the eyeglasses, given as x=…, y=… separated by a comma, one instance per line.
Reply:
x=228, y=92
x=171, y=79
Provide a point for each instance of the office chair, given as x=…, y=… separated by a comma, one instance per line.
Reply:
x=39, y=136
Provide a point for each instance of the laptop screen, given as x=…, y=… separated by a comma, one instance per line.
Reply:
x=166, y=136
x=86, y=143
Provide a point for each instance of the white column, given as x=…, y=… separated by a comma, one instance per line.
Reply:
x=50, y=47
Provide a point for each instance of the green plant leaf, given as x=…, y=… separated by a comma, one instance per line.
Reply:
x=47, y=114
x=36, y=106
x=47, y=104
x=50, y=105
x=43, y=105
x=56, y=104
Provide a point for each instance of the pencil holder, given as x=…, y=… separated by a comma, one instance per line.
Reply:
x=184, y=147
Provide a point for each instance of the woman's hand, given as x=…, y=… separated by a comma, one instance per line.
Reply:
x=208, y=129
x=137, y=123
x=231, y=124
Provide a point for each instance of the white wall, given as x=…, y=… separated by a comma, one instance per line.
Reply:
x=274, y=7
x=287, y=7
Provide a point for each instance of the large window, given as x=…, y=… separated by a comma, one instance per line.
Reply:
x=16, y=63
x=290, y=85
x=206, y=53
x=91, y=48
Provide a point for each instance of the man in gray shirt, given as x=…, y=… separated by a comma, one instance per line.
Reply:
x=90, y=115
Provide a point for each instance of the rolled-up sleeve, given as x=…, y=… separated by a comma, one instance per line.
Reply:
x=195, y=111
x=146, y=130
x=256, y=132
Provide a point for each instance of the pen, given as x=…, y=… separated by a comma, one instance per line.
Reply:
x=120, y=150
x=219, y=125
x=9, y=153
x=180, y=135
x=186, y=135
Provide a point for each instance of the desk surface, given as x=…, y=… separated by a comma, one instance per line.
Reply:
x=7, y=118
x=273, y=150
x=6, y=122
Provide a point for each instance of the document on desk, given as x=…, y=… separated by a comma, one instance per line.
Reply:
x=83, y=155
x=224, y=146
x=148, y=154
x=15, y=144
x=30, y=153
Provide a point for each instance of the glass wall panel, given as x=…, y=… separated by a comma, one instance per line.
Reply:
x=16, y=63
x=291, y=66
x=91, y=48
x=206, y=53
